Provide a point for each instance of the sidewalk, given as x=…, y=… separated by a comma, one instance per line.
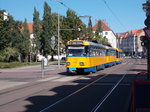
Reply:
x=18, y=76
x=141, y=88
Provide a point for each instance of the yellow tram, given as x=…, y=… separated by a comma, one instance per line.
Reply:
x=85, y=56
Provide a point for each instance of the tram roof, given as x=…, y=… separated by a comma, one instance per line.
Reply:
x=85, y=42
x=118, y=49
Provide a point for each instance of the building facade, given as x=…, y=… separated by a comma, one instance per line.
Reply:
x=107, y=32
x=130, y=42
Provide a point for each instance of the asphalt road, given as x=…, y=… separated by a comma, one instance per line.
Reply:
x=107, y=90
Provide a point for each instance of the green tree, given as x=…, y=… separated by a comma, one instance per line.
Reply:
x=9, y=54
x=5, y=31
x=71, y=23
x=47, y=31
x=36, y=41
x=99, y=28
x=98, y=35
x=17, y=38
x=26, y=45
x=65, y=34
x=90, y=30
x=55, y=33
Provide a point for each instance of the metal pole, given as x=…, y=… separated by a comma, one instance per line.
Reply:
x=42, y=67
x=58, y=41
x=148, y=46
x=146, y=7
x=148, y=59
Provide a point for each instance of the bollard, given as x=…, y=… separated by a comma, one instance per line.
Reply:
x=42, y=67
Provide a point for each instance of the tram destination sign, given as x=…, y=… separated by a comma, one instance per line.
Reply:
x=76, y=43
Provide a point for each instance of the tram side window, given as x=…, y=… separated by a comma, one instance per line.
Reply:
x=117, y=54
x=97, y=51
x=108, y=52
x=91, y=51
x=114, y=53
x=102, y=52
x=86, y=51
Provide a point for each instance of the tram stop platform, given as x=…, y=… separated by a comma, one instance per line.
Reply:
x=141, y=92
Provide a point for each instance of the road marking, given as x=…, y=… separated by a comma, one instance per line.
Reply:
x=9, y=84
x=107, y=95
x=104, y=84
x=61, y=100
x=85, y=78
x=50, y=78
x=64, y=79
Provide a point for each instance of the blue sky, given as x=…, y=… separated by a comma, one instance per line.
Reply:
x=127, y=14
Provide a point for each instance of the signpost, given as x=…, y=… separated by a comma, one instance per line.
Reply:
x=42, y=67
x=53, y=42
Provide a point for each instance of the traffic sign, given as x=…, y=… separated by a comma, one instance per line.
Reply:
x=147, y=33
x=53, y=42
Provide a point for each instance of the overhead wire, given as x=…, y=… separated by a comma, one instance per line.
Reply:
x=114, y=15
x=62, y=3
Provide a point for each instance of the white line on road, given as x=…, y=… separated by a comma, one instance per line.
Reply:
x=107, y=95
x=61, y=100
x=64, y=79
x=50, y=78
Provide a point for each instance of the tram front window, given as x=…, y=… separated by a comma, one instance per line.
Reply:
x=76, y=51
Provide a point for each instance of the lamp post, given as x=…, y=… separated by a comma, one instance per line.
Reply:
x=146, y=8
x=58, y=41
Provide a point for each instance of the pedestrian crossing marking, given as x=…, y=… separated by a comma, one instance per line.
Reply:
x=69, y=78
x=50, y=78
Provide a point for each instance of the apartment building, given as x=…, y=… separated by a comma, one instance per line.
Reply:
x=130, y=42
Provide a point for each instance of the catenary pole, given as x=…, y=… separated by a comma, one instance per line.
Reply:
x=58, y=41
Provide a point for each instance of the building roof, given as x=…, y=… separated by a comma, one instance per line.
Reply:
x=131, y=32
x=105, y=27
x=30, y=27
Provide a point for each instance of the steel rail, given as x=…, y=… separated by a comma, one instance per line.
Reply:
x=41, y=91
x=77, y=91
x=95, y=109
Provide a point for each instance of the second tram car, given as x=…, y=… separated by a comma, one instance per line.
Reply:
x=84, y=56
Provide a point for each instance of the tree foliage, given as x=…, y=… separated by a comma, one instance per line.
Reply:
x=70, y=25
x=99, y=28
x=26, y=45
x=15, y=38
x=5, y=32
x=47, y=31
x=36, y=41
x=9, y=54
x=98, y=35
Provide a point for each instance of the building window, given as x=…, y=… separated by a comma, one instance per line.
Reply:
x=106, y=33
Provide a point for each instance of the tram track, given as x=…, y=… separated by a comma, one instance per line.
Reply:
x=99, y=104
x=86, y=86
x=47, y=89
x=35, y=84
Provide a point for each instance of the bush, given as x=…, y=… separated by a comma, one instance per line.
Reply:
x=9, y=54
x=10, y=65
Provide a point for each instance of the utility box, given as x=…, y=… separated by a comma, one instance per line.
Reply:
x=141, y=93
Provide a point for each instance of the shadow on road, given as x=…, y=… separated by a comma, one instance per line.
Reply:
x=82, y=100
x=138, y=70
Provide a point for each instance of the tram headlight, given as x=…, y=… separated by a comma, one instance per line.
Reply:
x=67, y=63
x=81, y=63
